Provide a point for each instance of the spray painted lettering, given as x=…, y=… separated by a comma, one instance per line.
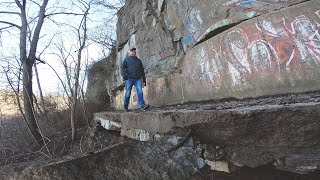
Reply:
x=267, y=48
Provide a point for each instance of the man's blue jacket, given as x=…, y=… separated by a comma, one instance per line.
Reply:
x=132, y=68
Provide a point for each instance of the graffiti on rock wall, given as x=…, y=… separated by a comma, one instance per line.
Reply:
x=249, y=4
x=166, y=53
x=188, y=39
x=245, y=57
x=318, y=13
x=268, y=47
x=285, y=45
x=209, y=68
x=292, y=40
x=193, y=22
x=192, y=25
x=236, y=50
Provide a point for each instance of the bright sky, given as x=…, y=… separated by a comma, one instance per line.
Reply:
x=9, y=50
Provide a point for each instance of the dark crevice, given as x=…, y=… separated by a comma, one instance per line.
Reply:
x=120, y=46
x=163, y=6
x=216, y=32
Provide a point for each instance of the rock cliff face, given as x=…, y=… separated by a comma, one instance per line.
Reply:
x=212, y=50
x=282, y=132
x=201, y=50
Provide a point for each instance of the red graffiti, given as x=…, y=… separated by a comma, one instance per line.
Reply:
x=279, y=44
x=293, y=39
x=166, y=54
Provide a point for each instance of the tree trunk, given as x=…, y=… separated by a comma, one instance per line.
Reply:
x=28, y=101
x=73, y=117
x=27, y=64
x=79, y=56
x=43, y=109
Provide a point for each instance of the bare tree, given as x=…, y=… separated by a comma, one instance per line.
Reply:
x=29, y=25
x=29, y=29
x=27, y=63
x=71, y=59
x=105, y=34
x=82, y=38
x=113, y=6
x=27, y=55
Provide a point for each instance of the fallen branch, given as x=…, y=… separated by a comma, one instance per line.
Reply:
x=180, y=143
x=99, y=143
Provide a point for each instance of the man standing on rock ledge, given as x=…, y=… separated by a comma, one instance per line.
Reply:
x=132, y=72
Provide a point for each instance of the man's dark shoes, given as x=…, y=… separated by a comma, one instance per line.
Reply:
x=126, y=110
x=144, y=107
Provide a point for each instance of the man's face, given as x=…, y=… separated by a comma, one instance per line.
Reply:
x=132, y=53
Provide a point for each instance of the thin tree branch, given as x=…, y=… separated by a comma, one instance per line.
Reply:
x=110, y=6
x=82, y=91
x=4, y=28
x=8, y=3
x=35, y=3
x=55, y=22
x=16, y=96
x=63, y=13
x=63, y=59
x=35, y=38
x=41, y=61
x=18, y=4
x=11, y=24
x=83, y=26
x=47, y=45
x=10, y=12
x=181, y=142
x=63, y=85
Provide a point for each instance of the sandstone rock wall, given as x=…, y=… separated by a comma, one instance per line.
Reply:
x=202, y=50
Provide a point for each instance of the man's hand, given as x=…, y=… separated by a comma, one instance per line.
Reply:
x=144, y=83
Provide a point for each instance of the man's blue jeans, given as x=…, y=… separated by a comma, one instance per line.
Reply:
x=138, y=85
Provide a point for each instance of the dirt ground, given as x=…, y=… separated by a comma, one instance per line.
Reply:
x=17, y=147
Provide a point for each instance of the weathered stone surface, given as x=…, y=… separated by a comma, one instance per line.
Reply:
x=189, y=21
x=99, y=97
x=251, y=136
x=142, y=27
x=130, y=160
x=301, y=162
x=263, y=56
x=268, y=54
x=195, y=21
x=218, y=165
x=209, y=50
x=274, y=53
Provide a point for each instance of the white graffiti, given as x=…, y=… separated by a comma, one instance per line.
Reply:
x=261, y=58
x=236, y=44
x=209, y=67
x=235, y=75
x=276, y=46
x=301, y=33
x=318, y=13
x=231, y=2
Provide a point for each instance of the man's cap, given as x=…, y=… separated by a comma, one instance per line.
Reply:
x=133, y=49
